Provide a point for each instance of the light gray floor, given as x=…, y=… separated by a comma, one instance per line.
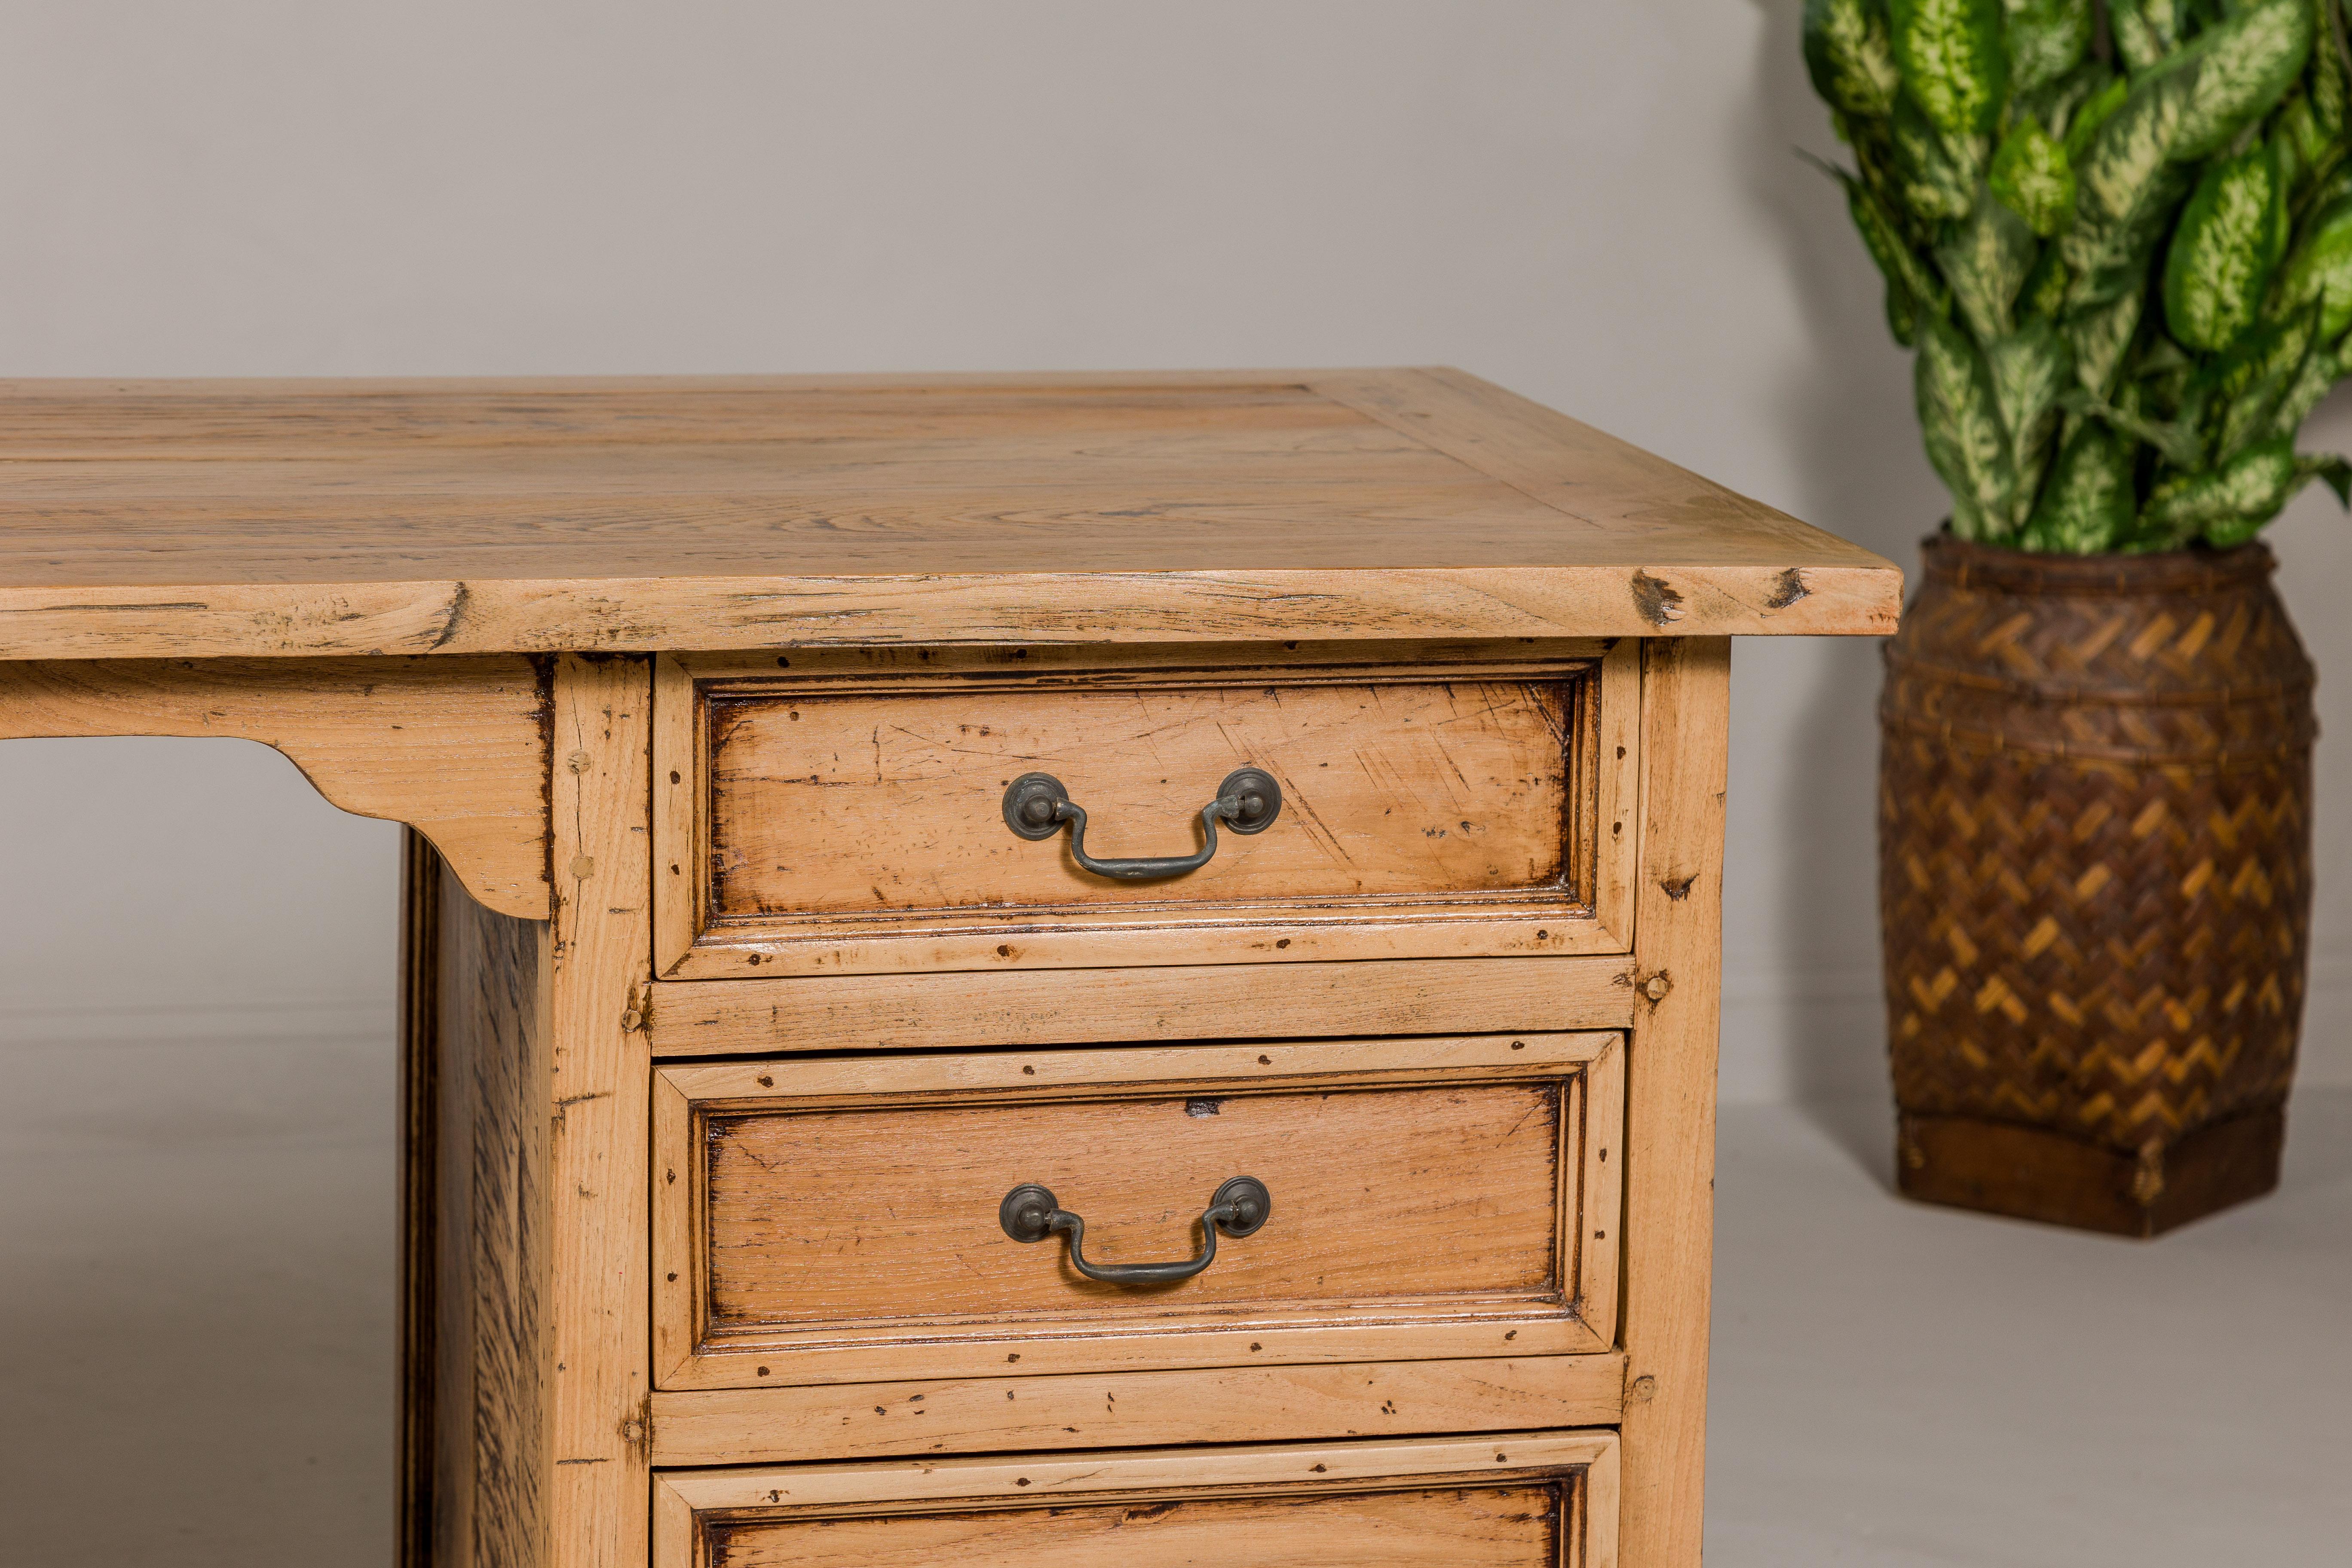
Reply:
x=1901, y=1385
x=197, y=1340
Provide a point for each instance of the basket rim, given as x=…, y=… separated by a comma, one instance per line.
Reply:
x=1964, y=563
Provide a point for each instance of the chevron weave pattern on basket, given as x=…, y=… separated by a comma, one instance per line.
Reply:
x=2095, y=833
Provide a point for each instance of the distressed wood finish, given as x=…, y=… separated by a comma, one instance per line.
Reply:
x=1670, y=1098
x=781, y=1425
x=420, y=1133
x=600, y=1073
x=1074, y=1007
x=224, y=519
x=455, y=748
x=836, y=1221
x=852, y=822
x=1516, y=1500
x=475, y=1269
x=724, y=680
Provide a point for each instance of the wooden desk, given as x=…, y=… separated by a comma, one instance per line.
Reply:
x=748, y=965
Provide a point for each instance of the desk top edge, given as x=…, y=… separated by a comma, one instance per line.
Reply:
x=254, y=518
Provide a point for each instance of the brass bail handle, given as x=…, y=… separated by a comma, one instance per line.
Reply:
x=1030, y=1212
x=1036, y=805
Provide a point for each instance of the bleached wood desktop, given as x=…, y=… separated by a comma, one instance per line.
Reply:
x=1064, y=969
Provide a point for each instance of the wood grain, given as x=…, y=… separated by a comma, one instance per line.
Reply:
x=1462, y=1526
x=455, y=748
x=227, y=519
x=852, y=810
x=598, y=1084
x=779, y=1425
x=1084, y=1006
x=475, y=1328
x=889, y=803
x=856, y=824
x=825, y=1219
x=420, y=1228
x=1521, y=1499
x=1670, y=1098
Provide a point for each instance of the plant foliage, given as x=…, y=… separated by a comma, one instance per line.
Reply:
x=2119, y=237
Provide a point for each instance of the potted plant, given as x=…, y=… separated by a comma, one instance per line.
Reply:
x=2118, y=237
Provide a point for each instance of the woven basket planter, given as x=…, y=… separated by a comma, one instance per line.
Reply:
x=2095, y=852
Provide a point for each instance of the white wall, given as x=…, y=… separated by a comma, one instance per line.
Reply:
x=1595, y=203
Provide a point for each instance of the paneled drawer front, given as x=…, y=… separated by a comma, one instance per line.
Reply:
x=853, y=818
x=1546, y=1499
x=837, y=1221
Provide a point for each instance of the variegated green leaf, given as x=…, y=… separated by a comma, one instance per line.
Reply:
x=1932, y=172
x=2043, y=294
x=2320, y=268
x=2029, y=369
x=1962, y=425
x=2057, y=105
x=2093, y=112
x=2334, y=469
x=2231, y=532
x=1952, y=61
x=2097, y=338
x=2313, y=378
x=2300, y=144
x=2137, y=41
x=2240, y=67
x=2328, y=83
x=2088, y=505
x=1985, y=262
x=2231, y=236
x=2177, y=442
x=2030, y=173
x=2242, y=494
x=2255, y=378
x=2046, y=38
x=2268, y=484
x=2125, y=190
x=1912, y=287
x=1850, y=57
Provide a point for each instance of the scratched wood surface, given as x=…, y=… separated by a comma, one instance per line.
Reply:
x=455, y=748
x=1670, y=1098
x=1131, y=1409
x=173, y=519
x=596, y=1349
x=892, y=804
x=821, y=1220
x=1175, y=1002
x=1461, y=1526
x=475, y=1323
x=1544, y=1499
x=1446, y=803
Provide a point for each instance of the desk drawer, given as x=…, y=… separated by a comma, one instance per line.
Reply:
x=840, y=1221
x=1525, y=1500
x=867, y=815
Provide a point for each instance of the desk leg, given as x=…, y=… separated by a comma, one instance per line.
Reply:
x=475, y=1043
x=1670, y=1098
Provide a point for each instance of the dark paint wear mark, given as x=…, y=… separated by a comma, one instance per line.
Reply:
x=1656, y=601
x=1787, y=589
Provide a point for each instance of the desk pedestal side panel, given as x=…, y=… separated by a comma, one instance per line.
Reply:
x=477, y=1248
